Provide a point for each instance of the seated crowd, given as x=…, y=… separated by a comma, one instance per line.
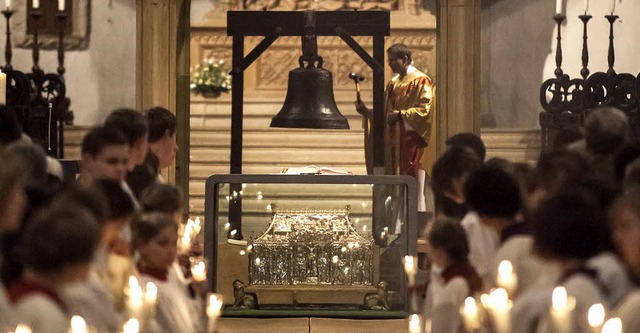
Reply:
x=571, y=220
x=72, y=248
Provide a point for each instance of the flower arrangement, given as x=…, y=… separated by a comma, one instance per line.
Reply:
x=210, y=78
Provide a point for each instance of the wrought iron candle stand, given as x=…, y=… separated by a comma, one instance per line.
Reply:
x=39, y=98
x=573, y=99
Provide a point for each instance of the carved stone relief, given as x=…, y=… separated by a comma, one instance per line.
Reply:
x=77, y=40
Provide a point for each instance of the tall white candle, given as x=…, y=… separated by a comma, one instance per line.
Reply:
x=214, y=307
x=470, y=314
x=586, y=6
x=3, y=88
x=61, y=5
x=78, y=325
x=8, y=4
x=35, y=4
x=501, y=310
x=595, y=317
x=410, y=263
x=561, y=308
x=414, y=324
x=506, y=278
x=558, y=6
x=613, y=325
x=612, y=7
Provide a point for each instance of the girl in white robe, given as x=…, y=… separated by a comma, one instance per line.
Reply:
x=155, y=237
x=453, y=278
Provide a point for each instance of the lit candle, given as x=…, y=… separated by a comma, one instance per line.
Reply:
x=198, y=269
x=22, y=328
x=214, y=308
x=500, y=309
x=3, y=88
x=506, y=278
x=35, y=4
x=612, y=8
x=561, y=308
x=197, y=226
x=595, y=317
x=134, y=302
x=8, y=4
x=131, y=326
x=613, y=325
x=410, y=263
x=61, y=5
x=558, y=6
x=414, y=324
x=78, y=325
x=586, y=6
x=470, y=314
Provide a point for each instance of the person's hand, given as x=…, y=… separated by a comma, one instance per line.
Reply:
x=361, y=107
x=393, y=117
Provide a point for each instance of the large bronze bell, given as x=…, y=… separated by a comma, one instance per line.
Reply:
x=309, y=102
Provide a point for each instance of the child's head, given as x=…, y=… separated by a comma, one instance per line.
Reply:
x=61, y=241
x=162, y=198
x=105, y=154
x=447, y=243
x=155, y=237
x=119, y=206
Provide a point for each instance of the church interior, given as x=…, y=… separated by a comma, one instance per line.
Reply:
x=517, y=212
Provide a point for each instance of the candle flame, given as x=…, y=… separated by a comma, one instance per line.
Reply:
x=499, y=297
x=22, y=328
x=214, y=305
x=596, y=315
x=78, y=325
x=334, y=259
x=151, y=292
x=131, y=326
x=414, y=323
x=559, y=298
x=505, y=268
x=409, y=265
x=470, y=304
x=613, y=325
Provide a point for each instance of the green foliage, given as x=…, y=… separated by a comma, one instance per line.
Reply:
x=210, y=78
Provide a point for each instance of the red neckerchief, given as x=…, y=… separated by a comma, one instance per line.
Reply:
x=158, y=274
x=465, y=271
x=25, y=287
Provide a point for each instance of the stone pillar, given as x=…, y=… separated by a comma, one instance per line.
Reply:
x=162, y=71
x=458, y=68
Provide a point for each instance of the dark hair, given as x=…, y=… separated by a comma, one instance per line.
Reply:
x=606, y=130
x=493, y=192
x=161, y=198
x=9, y=126
x=10, y=178
x=91, y=199
x=399, y=51
x=569, y=225
x=58, y=237
x=556, y=168
x=567, y=136
x=100, y=137
x=470, y=141
x=33, y=161
x=146, y=226
x=131, y=122
x=448, y=234
x=118, y=202
x=144, y=175
x=160, y=121
x=454, y=163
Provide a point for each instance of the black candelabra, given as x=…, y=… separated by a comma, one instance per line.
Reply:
x=38, y=98
x=566, y=102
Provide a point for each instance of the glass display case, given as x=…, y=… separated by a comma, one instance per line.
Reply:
x=310, y=245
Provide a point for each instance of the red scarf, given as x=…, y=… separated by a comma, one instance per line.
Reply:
x=25, y=287
x=465, y=271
